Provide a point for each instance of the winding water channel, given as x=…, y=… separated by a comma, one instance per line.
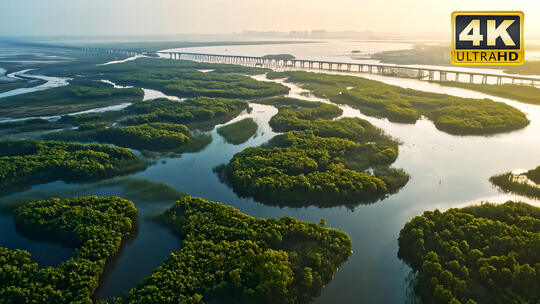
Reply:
x=446, y=171
x=50, y=82
x=149, y=94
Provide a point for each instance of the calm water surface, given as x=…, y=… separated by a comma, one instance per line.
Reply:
x=446, y=171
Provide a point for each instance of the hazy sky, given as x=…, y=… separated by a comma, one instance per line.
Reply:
x=150, y=17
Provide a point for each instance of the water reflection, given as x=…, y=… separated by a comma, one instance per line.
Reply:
x=45, y=253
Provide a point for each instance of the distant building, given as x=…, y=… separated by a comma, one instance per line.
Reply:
x=319, y=34
x=299, y=34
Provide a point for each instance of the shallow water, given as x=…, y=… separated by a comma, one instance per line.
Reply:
x=139, y=257
x=446, y=171
x=123, y=60
x=3, y=76
x=149, y=94
x=51, y=82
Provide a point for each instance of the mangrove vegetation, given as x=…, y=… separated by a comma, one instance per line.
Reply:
x=79, y=95
x=454, y=115
x=156, y=125
x=527, y=183
x=186, y=78
x=28, y=163
x=317, y=160
x=225, y=254
x=478, y=254
x=95, y=226
x=231, y=257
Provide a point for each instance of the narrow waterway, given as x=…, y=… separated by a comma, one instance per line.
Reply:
x=149, y=94
x=51, y=82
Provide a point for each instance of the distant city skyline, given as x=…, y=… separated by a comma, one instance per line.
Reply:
x=415, y=18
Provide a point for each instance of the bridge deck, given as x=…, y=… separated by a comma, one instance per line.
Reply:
x=376, y=65
x=379, y=66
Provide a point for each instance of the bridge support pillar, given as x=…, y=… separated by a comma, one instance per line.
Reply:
x=442, y=76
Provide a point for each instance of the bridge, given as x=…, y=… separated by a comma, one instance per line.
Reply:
x=115, y=51
x=424, y=73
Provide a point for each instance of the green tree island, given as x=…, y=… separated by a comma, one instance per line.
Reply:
x=454, y=115
x=317, y=160
x=479, y=254
x=527, y=183
x=27, y=163
x=225, y=254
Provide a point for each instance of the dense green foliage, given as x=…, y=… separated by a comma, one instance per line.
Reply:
x=21, y=123
x=156, y=125
x=317, y=161
x=191, y=110
x=100, y=92
x=157, y=137
x=77, y=96
x=151, y=136
x=534, y=175
x=519, y=183
x=297, y=114
x=96, y=225
x=522, y=93
x=80, y=119
x=454, y=115
x=27, y=163
x=226, y=256
x=231, y=257
x=183, y=78
x=29, y=125
x=479, y=254
x=238, y=132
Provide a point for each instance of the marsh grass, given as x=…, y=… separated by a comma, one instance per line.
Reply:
x=527, y=184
